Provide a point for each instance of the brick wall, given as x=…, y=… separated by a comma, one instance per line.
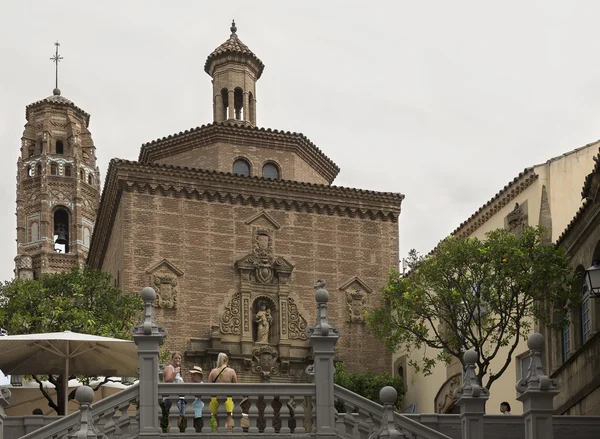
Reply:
x=203, y=239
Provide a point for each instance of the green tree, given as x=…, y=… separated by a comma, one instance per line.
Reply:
x=475, y=294
x=368, y=384
x=82, y=301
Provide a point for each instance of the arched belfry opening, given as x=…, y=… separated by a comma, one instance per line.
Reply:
x=61, y=230
x=235, y=70
x=238, y=98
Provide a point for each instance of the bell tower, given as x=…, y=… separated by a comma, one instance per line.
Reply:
x=58, y=187
x=235, y=70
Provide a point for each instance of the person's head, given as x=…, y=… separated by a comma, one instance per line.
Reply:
x=504, y=407
x=222, y=360
x=176, y=359
x=196, y=373
x=263, y=307
x=37, y=412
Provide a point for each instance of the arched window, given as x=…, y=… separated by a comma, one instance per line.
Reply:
x=60, y=149
x=241, y=167
x=238, y=98
x=225, y=99
x=39, y=170
x=90, y=179
x=31, y=171
x=61, y=231
x=67, y=170
x=53, y=169
x=270, y=170
x=82, y=175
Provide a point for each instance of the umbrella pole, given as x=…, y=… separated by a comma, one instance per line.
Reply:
x=65, y=383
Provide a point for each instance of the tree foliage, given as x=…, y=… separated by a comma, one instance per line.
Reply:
x=82, y=301
x=475, y=294
x=368, y=384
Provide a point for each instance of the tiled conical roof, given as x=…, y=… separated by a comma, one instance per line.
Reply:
x=56, y=98
x=233, y=45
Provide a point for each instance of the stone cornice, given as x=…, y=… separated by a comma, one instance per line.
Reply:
x=497, y=202
x=222, y=187
x=240, y=135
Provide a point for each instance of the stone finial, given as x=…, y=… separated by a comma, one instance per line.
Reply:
x=470, y=387
x=233, y=27
x=322, y=327
x=87, y=430
x=388, y=396
x=536, y=379
x=148, y=326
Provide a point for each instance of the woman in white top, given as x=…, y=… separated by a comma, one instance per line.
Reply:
x=172, y=374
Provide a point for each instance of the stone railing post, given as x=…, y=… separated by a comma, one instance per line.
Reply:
x=537, y=392
x=322, y=339
x=87, y=430
x=471, y=400
x=388, y=396
x=148, y=336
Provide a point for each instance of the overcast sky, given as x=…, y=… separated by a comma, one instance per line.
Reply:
x=442, y=101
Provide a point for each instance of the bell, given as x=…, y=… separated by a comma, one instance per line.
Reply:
x=61, y=234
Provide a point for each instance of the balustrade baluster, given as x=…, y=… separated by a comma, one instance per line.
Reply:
x=206, y=414
x=123, y=421
x=349, y=420
x=253, y=414
x=221, y=414
x=237, y=414
x=109, y=424
x=299, y=415
x=173, y=414
x=364, y=428
x=285, y=415
x=189, y=414
x=269, y=414
x=313, y=410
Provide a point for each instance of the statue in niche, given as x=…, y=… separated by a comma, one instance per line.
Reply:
x=264, y=320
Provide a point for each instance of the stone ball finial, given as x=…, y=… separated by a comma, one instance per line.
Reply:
x=85, y=395
x=470, y=357
x=388, y=395
x=535, y=342
x=233, y=28
x=321, y=295
x=56, y=92
x=148, y=294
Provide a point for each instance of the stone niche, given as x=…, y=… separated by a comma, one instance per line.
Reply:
x=261, y=326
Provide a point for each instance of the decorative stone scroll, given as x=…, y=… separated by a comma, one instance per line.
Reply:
x=355, y=291
x=264, y=361
x=297, y=323
x=230, y=320
x=517, y=219
x=164, y=278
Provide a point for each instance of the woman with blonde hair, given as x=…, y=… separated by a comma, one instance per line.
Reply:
x=222, y=374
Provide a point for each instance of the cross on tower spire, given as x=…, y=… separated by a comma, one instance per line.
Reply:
x=56, y=59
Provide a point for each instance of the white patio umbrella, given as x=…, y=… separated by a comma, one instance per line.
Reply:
x=63, y=353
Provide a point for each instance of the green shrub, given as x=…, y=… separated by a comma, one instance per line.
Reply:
x=368, y=384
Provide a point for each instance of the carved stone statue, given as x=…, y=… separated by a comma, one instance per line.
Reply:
x=264, y=319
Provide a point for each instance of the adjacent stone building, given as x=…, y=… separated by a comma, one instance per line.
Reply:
x=546, y=194
x=58, y=188
x=573, y=353
x=232, y=225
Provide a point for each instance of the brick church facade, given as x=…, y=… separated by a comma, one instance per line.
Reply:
x=232, y=225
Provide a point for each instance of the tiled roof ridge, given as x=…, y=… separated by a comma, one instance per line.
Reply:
x=302, y=184
x=60, y=100
x=107, y=208
x=573, y=151
x=529, y=172
x=233, y=45
x=146, y=147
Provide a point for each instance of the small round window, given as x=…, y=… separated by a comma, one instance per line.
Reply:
x=271, y=171
x=241, y=167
